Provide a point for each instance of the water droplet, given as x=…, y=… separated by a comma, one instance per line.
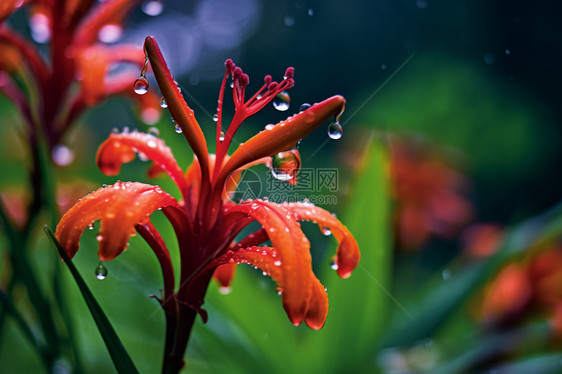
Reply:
x=277, y=263
x=270, y=126
x=99, y=237
x=333, y=265
x=215, y=117
x=141, y=85
x=225, y=290
x=221, y=136
x=101, y=271
x=154, y=131
x=178, y=129
x=281, y=101
x=153, y=7
x=232, y=84
x=285, y=165
x=335, y=130
x=304, y=107
x=62, y=155
x=151, y=143
x=110, y=33
x=91, y=226
x=310, y=12
x=163, y=103
x=326, y=231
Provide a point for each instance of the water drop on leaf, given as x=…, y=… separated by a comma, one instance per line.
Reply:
x=101, y=271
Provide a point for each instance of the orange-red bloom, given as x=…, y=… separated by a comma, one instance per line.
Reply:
x=206, y=222
x=429, y=198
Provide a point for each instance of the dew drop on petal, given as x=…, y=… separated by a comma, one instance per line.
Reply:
x=151, y=143
x=101, y=271
x=277, y=263
x=335, y=130
x=153, y=7
x=326, y=231
x=163, y=103
x=282, y=101
x=270, y=126
x=178, y=129
x=141, y=85
x=221, y=136
x=285, y=165
x=304, y=107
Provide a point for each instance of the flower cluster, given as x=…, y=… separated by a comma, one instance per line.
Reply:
x=206, y=222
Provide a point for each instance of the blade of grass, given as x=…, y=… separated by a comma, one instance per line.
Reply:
x=119, y=355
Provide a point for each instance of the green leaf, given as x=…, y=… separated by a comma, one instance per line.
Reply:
x=358, y=305
x=119, y=355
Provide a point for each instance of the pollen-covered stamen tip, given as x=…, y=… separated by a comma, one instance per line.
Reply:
x=289, y=73
x=244, y=80
x=267, y=79
x=230, y=66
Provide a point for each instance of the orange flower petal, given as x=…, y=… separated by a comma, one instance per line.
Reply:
x=180, y=111
x=348, y=254
x=122, y=148
x=119, y=207
x=284, y=135
x=292, y=252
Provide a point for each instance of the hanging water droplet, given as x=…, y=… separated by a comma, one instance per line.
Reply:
x=333, y=265
x=225, y=290
x=101, y=271
x=215, y=117
x=282, y=101
x=335, y=130
x=285, y=165
x=91, y=226
x=154, y=131
x=163, y=103
x=304, y=107
x=178, y=129
x=232, y=84
x=141, y=85
x=221, y=136
x=326, y=231
x=153, y=7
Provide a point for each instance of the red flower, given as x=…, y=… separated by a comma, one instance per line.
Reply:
x=206, y=222
x=77, y=74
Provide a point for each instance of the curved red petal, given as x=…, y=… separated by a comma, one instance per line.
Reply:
x=348, y=254
x=119, y=207
x=284, y=135
x=180, y=111
x=122, y=148
x=224, y=274
x=318, y=307
x=292, y=250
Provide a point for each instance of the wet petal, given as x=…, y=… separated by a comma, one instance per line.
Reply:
x=348, y=254
x=122, y=148
x=224, y=274
x=183, y=115
x=291, y=249
x=119, y=207
x=285, y=135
